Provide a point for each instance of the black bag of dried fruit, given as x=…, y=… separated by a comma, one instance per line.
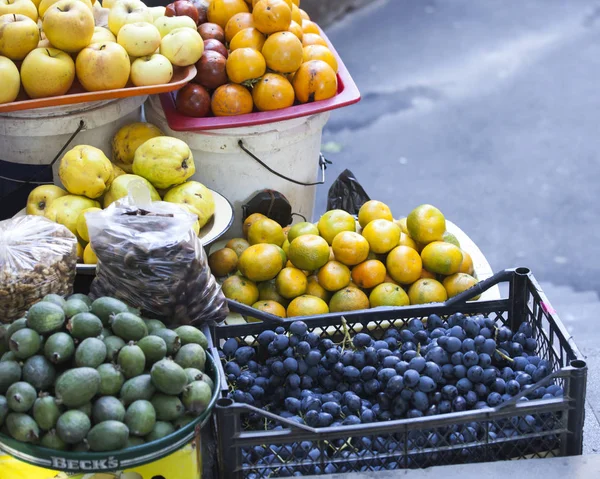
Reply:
x=150, y=257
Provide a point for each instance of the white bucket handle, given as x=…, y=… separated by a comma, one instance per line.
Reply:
x=323, y=162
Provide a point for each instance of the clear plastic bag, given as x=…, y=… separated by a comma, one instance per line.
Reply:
x=37, y=257
x=150, y=257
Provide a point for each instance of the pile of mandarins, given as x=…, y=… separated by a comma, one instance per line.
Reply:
x=337, y=265
x=259, y=55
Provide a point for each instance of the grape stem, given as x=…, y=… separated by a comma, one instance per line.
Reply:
x=347, y=337
x=504, y=356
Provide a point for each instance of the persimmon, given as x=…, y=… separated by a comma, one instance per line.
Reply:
x=319, y=52
x=245, y=64
x=273, y=92
x=231, y=100
x=248, y=38
x=283, y=52
x=315, y=80
x=271, y=16
x=237, y=23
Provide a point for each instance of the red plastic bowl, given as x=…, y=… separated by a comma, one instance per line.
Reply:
x=348, y=94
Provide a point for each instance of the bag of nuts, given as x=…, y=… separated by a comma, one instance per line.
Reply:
x=37, y=257
x=150, y=257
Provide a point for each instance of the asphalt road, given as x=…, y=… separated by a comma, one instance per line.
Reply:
x=488, y=109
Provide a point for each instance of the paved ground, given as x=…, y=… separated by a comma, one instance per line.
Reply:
x=490, y=110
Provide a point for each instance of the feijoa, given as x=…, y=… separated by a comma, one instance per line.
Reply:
x=22, y=427
x=25, y=343
x=161, y=429
x=108, y=436
x=86, y=409
x=171, y=339
x=131, y=360
x=183, y=421
x=194, y=374
x=139, y=387
x=135, y=441
x=21, y=396
x=10, y=373
x=72, y=427
x=191, y=356
x=91, y=353
x=85, y=325
x=114, y=344
x=45, y=317
x=128, y=326
x=111, y=379
x=196, y=397
x=15, y=326
x=154, y=325
x=168, y=408
x=168, y=377
x=46, y=412
x=105, y=307
x=75, y=306
x=56, y=299
x=39, y=372
x=140, y=418
x=191, y=335
x=83, y=297
x=51, y=440
x=154, y=349
x=76, y=387
x=59, y=348
x=108, y=408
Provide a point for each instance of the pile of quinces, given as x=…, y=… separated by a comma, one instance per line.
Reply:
x=140, y=152
x=45, y=45
x=338, y=265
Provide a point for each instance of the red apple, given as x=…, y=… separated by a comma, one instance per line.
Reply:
x=211, y=30
x=216, y=46
x=212, y=71
x=202, y=7
x=193, y=100
x=182, y=8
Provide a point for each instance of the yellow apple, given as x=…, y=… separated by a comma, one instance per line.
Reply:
x=127, y=11
x=168, y=24
x=103, y=66
x=9, y=79
x=19, y=35
x=40, y=198
x=69, y=25
x=47, y=72
x=183, y=46
x=151, y=70
x=23, y=7
x=108, y=3
x=139, y=39
x=158, y=12
x=46, y=4
x=102, y=35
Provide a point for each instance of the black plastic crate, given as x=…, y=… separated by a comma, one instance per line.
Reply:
x=504, y=432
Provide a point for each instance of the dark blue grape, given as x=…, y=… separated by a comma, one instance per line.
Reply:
x=294, y=341
x=394, y=386
x=417, y=364
x=471, y=398
x=384, y=375
x=479, y=342
x=457, y=319
x=289, y=352
x=421, y=337
x=292, y=405
x=312, y=418
x=303, y=348
x=312, y=339
x=265, y=338
x=299, y=328
x=307, y=382
x=504, y=334
x=362, y=340
x=382, y=354
x=433, y=370
x=548, y=396
x=448, y=371
x=520, y=363
x=459, y=404
x=359, y=360
x=499, y=385
x=471, y=327
x=485, y=360
x=371, y=356
x=426, y=384
x=367, y=373
x=457, y=332
x=372, y=387
x=332, y=408
x=445, y=407
x=380, y=344
x=367, y=416
x=481, y=390
x=515, y=349
x=434, y=321
x=489, y=376
x=531, y=345
x=294, y=381
x=245, y=381
x=313, y=358
x=324, y=419
x=464, y=385
x=411, y=378
x=420, y=401
x=233, y=368
x=392, y=342
x=456, y=358
x=507, y=374
x=415, y=325
x=244, y=354
x=408, y=346
x=437, y=333
x=468, y=345
x=449, y=392
x=230, y=347
x=512, y=387
x=351, y=373
x=407, y=394
x=231, y=378
x=538, y=374
x=460, y=371
x=475, y=374
x=357, y=388
x=523, y=379
x=486, y=333
x=409, y=355
x=311, y=404
x=281, y=342
x=290, y=365
x=332, y=355
x=453, y=344
x=530, y=369
x=278, y=368
x=238, y=396
x=351, y=420
x=470, y=358
x=488, y=347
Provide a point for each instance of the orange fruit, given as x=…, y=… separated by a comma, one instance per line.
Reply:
x=442, y=258
x=245, y=64
x=307, y=305
x=402, y=223
x=283, y=52
x=319, y=52
x=272, y=16
x=372, y=209
x=467, y=264
x=248, y=38
x=334, y=222
x=425, y=291
x=240, y=289
x=313, y=39
x=266, y=230
x=389, y=279
x=309, y=26
x=426, y=224
x=249, y=221
x=273, y=92
x=237, y=23
x=334, y=276
x=261, y=262
x=313, y=288
x=350, y=248
x=302, y=228
x=282, y=253
x=309, y=252
x=406, y=240
x=231, y=100
x=269, y=306
x=348, y=299
x=450, y=238
x=459, y=282
x=291, y=282
x=388, y=294
x=286, y=246
x=382, y=235
x=404, y=264
x=331, y=254
x=267, y=291
x=315, y=80
x=427, y=274
x=223, y=261
x=296, y=29
x=238, y=245
x=297, y=16
x=220, y=11
x=369, y=274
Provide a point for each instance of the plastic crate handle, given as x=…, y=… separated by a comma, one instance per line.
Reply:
x=236, y=307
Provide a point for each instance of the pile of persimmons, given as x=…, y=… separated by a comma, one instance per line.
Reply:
x=259, y=55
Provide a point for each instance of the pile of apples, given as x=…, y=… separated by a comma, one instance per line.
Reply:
x=45, y=45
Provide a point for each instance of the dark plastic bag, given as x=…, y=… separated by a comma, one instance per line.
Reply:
x=347, y=194
x=150, y=257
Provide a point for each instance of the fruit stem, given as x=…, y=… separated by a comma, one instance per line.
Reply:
x=505, y=356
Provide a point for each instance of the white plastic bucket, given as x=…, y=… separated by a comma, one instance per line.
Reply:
x=34, y=137
x=290, y=147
